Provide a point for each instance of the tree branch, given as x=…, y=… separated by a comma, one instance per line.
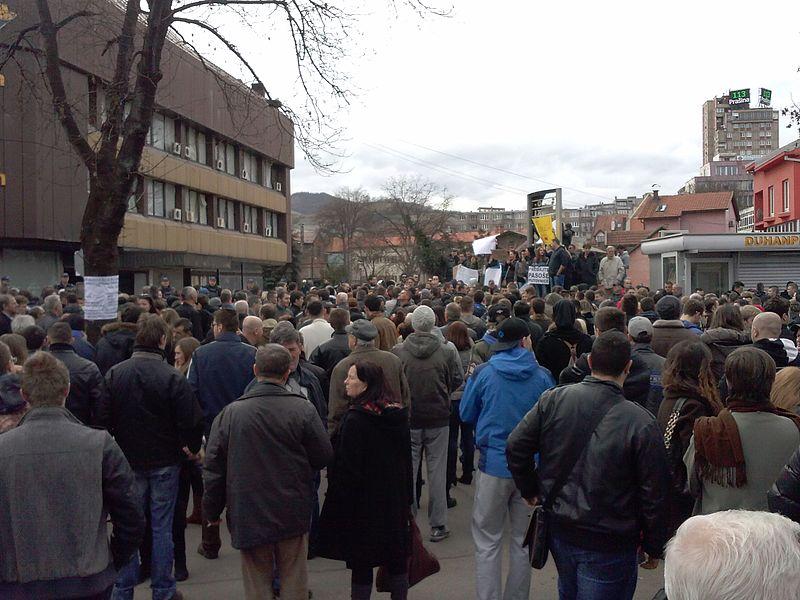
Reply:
x=199, y=3
x=49, y=33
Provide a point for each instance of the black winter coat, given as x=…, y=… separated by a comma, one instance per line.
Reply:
x=151, y=411
x=615, y=496
x=784, y=497
x=637, y=383
x=365, y=518
x=553, y=353
x=328, y=354
x=87, y=389
x=115, y=346
x=586, y=268
x=187, y=311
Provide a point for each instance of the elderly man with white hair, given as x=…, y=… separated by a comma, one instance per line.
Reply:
x=431, y=377
x=734, y=555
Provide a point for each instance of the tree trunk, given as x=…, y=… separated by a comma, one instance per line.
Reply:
x=102, y=224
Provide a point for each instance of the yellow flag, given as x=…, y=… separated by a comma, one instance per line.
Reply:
x=544, y=227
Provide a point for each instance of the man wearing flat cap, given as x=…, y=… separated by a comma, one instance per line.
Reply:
x=361, y=336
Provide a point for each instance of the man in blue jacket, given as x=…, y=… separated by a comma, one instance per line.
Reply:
x=219, y=373
x=498, y=395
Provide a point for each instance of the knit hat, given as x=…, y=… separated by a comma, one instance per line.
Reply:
x=423, y=319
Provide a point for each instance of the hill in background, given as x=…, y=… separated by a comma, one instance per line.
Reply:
x=308, y=203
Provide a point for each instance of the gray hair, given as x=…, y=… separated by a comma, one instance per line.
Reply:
x=285, y=333
x=734, y=555
x=52, y=304
x=189, y=292
x=452, y=312
x=21, y=322
x=241, y=307
x=272, y=361
x=45, y=380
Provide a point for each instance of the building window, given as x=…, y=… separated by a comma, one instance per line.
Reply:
x=156, y=134
x=785, y=195
x=249, y=219
x=270, y=224
x=226, y=214
x=196, y=208
x=137, y=194
x=230, y=159
x=771, y=201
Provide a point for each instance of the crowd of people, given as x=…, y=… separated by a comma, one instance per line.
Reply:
x=647, y=423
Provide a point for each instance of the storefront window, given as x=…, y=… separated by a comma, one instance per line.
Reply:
x=670, y=269
x=710, y=277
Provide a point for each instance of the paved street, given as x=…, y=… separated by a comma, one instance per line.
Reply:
x=221, y=578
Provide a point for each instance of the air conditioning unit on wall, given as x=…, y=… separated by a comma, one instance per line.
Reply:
x=176, y=148
x=220, y=165
x=278, y=186
x=177, y=215
x=190, y=216
x=244, y=174
x=246, y=227
x=221, y=222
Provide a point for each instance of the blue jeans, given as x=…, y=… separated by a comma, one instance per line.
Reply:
x=156, y=490
x=593, y=575
x=558, y=280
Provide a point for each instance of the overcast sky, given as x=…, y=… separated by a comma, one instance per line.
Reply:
x=502, y=98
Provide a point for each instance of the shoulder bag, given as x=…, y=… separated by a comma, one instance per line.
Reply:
x=536, y=536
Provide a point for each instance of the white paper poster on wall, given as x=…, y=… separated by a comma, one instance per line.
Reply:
x=492, y=274
x=466, y=275
x=100, y=297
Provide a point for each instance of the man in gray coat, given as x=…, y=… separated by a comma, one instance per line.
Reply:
x=59, y=482
x=261, y=458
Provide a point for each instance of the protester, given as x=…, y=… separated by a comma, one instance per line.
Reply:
x=734, y=555
x=328, y=354
x=587, y=266
x=611, y=270
x=369, y=483
x=12, y=405
x=253, y=331
x=736, y=456
x=118, y=339
x=557, y=264
x=8, y=310
x=361, y=339
x=87, y=389
x=318, y=331
x=668, y=330
x=482, y=349
x=765, y=333
x=60, y=483
x=692, y=315
x=18, y=348
x=497, y=396
x=153, y=414
x=219, y=373
x=561, y=346
x=262, y=454
x=725, y=335
x=431, y=378
x=689, y=393
x=608, y=458
x=52, y=312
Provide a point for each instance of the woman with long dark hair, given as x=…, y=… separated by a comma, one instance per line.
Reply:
x=564, y=342
x=458, y=333
x=365, y=518
x=725, y=335
x=689, y=393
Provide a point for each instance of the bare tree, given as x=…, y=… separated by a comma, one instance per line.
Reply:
x=343, y=218
x=412, y=213
x=317, y=29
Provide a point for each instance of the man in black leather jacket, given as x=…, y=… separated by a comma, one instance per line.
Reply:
x=637, y=382
x=613, y=499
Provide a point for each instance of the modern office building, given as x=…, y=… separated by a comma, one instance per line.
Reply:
x=734, y=131
x=212, y=194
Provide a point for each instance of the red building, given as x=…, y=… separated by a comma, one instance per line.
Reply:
x=776, y=190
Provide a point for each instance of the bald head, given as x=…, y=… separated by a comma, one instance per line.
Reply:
x=253, y=330
x=766, y=326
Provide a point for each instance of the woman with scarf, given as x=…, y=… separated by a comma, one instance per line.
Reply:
x=689, y=393
x=564, y=342
x=725, y=335
x=736, y=456
x=365, y=519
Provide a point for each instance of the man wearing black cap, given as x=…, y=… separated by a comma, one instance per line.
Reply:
x=498, y=395
x=362, y=335
x=63, y=283
x=166, y=289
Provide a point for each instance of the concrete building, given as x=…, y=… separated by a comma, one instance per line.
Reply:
x=776, y=190
x=212, y=195
x=726, y=176
x=736, y=131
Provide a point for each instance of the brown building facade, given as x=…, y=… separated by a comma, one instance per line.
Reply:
x=212, y=196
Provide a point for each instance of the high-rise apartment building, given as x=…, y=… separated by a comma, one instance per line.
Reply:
x=736, y=131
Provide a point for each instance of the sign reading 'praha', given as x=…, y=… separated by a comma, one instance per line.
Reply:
x=772, y=240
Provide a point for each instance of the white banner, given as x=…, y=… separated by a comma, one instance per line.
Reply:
x=493, y=274
x=484, y=245
x=101, y=294
x=538, y=275
x=466, y=275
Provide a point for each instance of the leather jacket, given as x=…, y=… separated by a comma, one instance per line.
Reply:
x=616, y=494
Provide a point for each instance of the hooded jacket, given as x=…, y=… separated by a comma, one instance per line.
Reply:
x=553, y=351
x=115, y=346
x=499, y=393
x=431, y=378
x=722, y=342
